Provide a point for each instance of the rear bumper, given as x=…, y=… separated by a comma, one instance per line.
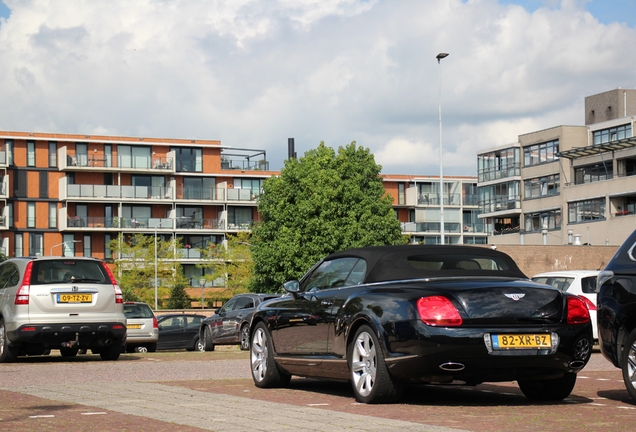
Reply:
x=54, y=334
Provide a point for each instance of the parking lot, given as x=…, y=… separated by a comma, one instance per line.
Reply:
x=189, y=391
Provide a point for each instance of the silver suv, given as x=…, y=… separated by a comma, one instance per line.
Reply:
x=65, y=303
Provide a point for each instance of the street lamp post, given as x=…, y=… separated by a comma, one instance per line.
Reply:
x=156, y=275
x=61, y=244
x=439, y=57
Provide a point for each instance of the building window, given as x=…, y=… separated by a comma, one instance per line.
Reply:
x=52, y=215
x=542, y=186
x=593, y=173
x=108, y=155
x=9, y=146
x=612, y=134
x=10, y=206
x=550, y=220
x=19, y=245
x=31, y=215
x=88, y=249
x=134, y=156
x=401, y=193
x=31, y=153
x=537, y=154
x=36, y=244
x=498, y=164
x=586, y=211
x=68, y=246
x=188, y=159
x=52, y=154
x=108, y=254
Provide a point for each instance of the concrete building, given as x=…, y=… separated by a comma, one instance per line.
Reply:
x=566, y=184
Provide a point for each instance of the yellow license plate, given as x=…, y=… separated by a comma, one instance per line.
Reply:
x=75, y=298
x=133, y=326
x=521, y=341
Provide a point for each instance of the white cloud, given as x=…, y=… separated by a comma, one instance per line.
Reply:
x=254, y=73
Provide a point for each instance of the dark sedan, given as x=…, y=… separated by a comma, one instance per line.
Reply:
x=616, y=312
x=386, y=316
x=230, y=324
x=179, y=331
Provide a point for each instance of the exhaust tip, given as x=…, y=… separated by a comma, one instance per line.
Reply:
x=577, y=364
x=452, y=366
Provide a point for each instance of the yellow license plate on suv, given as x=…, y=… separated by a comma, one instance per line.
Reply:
x=521, y=341
x=133, y=326
x=75, y=298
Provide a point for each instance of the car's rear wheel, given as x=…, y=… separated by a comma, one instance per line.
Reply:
x=152, y=347
x=69, y=352
x=265, y=371
x=370, y=378
x=110, y=352
x=548, y=390
x=7, y=353
x=628, y=363
x=142, y=349
x=207, y=337
x=245, y=337
x=130, y=349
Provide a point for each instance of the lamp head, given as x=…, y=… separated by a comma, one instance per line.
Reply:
x=441, y=56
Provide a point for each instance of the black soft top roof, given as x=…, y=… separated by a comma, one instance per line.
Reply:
x=386, y=263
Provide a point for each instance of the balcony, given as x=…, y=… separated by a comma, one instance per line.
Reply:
x=430, y=227
x=501, y=204
x=144, y=224
x=433, y=199
x=114, y=192
x=119, y=163
x=496, y=173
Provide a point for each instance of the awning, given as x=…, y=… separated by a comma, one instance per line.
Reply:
x=579, y=152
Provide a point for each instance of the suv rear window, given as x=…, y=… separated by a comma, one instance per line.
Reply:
x=137, y=311
x=68, y=270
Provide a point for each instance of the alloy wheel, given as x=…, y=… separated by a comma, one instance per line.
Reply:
x=258, y=354
x=364, y=364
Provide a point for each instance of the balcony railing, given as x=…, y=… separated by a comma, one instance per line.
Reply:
x=132, y=162
x=496, y=173
x=434, y=200
x=425, y=227
x=500, y=204
x=179, y=223
x=118, y=192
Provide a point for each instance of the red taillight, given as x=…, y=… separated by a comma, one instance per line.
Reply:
x=155, y=324
x=119, y=296
x=22, y=295
x=589, y=303
x=438, y=311
x=577, y=310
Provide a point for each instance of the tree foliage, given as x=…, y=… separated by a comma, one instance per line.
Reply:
x=179, y=298
x=323, y=203
x=135, y=267
x=230, y=262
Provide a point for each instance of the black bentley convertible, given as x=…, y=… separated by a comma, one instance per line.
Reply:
x=387, y=316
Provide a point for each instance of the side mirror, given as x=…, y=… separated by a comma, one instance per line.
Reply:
x=292, y=286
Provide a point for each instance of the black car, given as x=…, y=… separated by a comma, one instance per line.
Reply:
x=230, y=324
x=179, y=331
x=386, y=316
x=616, y=313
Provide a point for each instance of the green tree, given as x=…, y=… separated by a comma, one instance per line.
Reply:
x=135, y=267
x=230, y=262
x=323, y=203
x=179, y=298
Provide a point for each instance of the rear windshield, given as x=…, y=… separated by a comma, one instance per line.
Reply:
x=68, y=271
x=137, y=311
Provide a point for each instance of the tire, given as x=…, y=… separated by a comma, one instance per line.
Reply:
x=548, y=390
x=199, y=345
x=265, y=371
x=130, y=349
x=69, y=352
x=152, y=347
x=7, y=353
x=628, y=364
x=111, y=352
x=370, y=378
x=245, y=337
x=207, y=338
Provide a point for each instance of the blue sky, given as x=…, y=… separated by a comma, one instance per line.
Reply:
x=256, y=72
x=606, y=11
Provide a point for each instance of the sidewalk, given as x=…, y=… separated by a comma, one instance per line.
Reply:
x=209, y=411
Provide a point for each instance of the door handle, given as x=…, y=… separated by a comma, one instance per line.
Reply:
x=326, y=303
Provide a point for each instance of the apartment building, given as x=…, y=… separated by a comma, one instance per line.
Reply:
x=72, y=194
x=566, y=184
